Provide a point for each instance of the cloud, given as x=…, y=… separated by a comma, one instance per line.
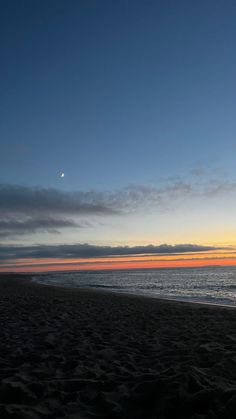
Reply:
x=215, y=189
x=68, y=251
x=25, y=200
x=27, y=210
x=217, y=172
x=13, y=227
x=169, y=195
x=133, y=197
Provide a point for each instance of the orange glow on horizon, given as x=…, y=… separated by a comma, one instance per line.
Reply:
x=210, y=258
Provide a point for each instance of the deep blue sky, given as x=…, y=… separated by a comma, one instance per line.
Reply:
x=115, y=92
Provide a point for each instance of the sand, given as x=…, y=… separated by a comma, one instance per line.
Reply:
x=87, y=354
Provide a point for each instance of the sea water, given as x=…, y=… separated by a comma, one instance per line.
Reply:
x=215, y=285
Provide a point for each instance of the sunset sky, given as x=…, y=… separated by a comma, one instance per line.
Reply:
x=134, y=101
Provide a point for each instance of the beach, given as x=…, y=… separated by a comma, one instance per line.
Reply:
x=81, y=354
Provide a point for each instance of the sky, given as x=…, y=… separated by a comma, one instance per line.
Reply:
x=134, y=101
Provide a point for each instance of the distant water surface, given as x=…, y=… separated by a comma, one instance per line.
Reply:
x=215, y=285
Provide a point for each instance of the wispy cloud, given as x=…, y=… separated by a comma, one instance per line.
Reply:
x=25, y=200
x=88, y=251
x=27, y=210
x=203, y=171
x=12, y=227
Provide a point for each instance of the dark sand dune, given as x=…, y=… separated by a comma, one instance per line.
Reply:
x=84, y=354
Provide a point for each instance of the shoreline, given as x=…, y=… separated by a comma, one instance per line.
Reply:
x=94, y=354
x=149, y=296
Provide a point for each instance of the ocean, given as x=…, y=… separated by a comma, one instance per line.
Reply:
x=214, y=285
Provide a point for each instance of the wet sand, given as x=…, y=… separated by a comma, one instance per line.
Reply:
x=86, y=354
